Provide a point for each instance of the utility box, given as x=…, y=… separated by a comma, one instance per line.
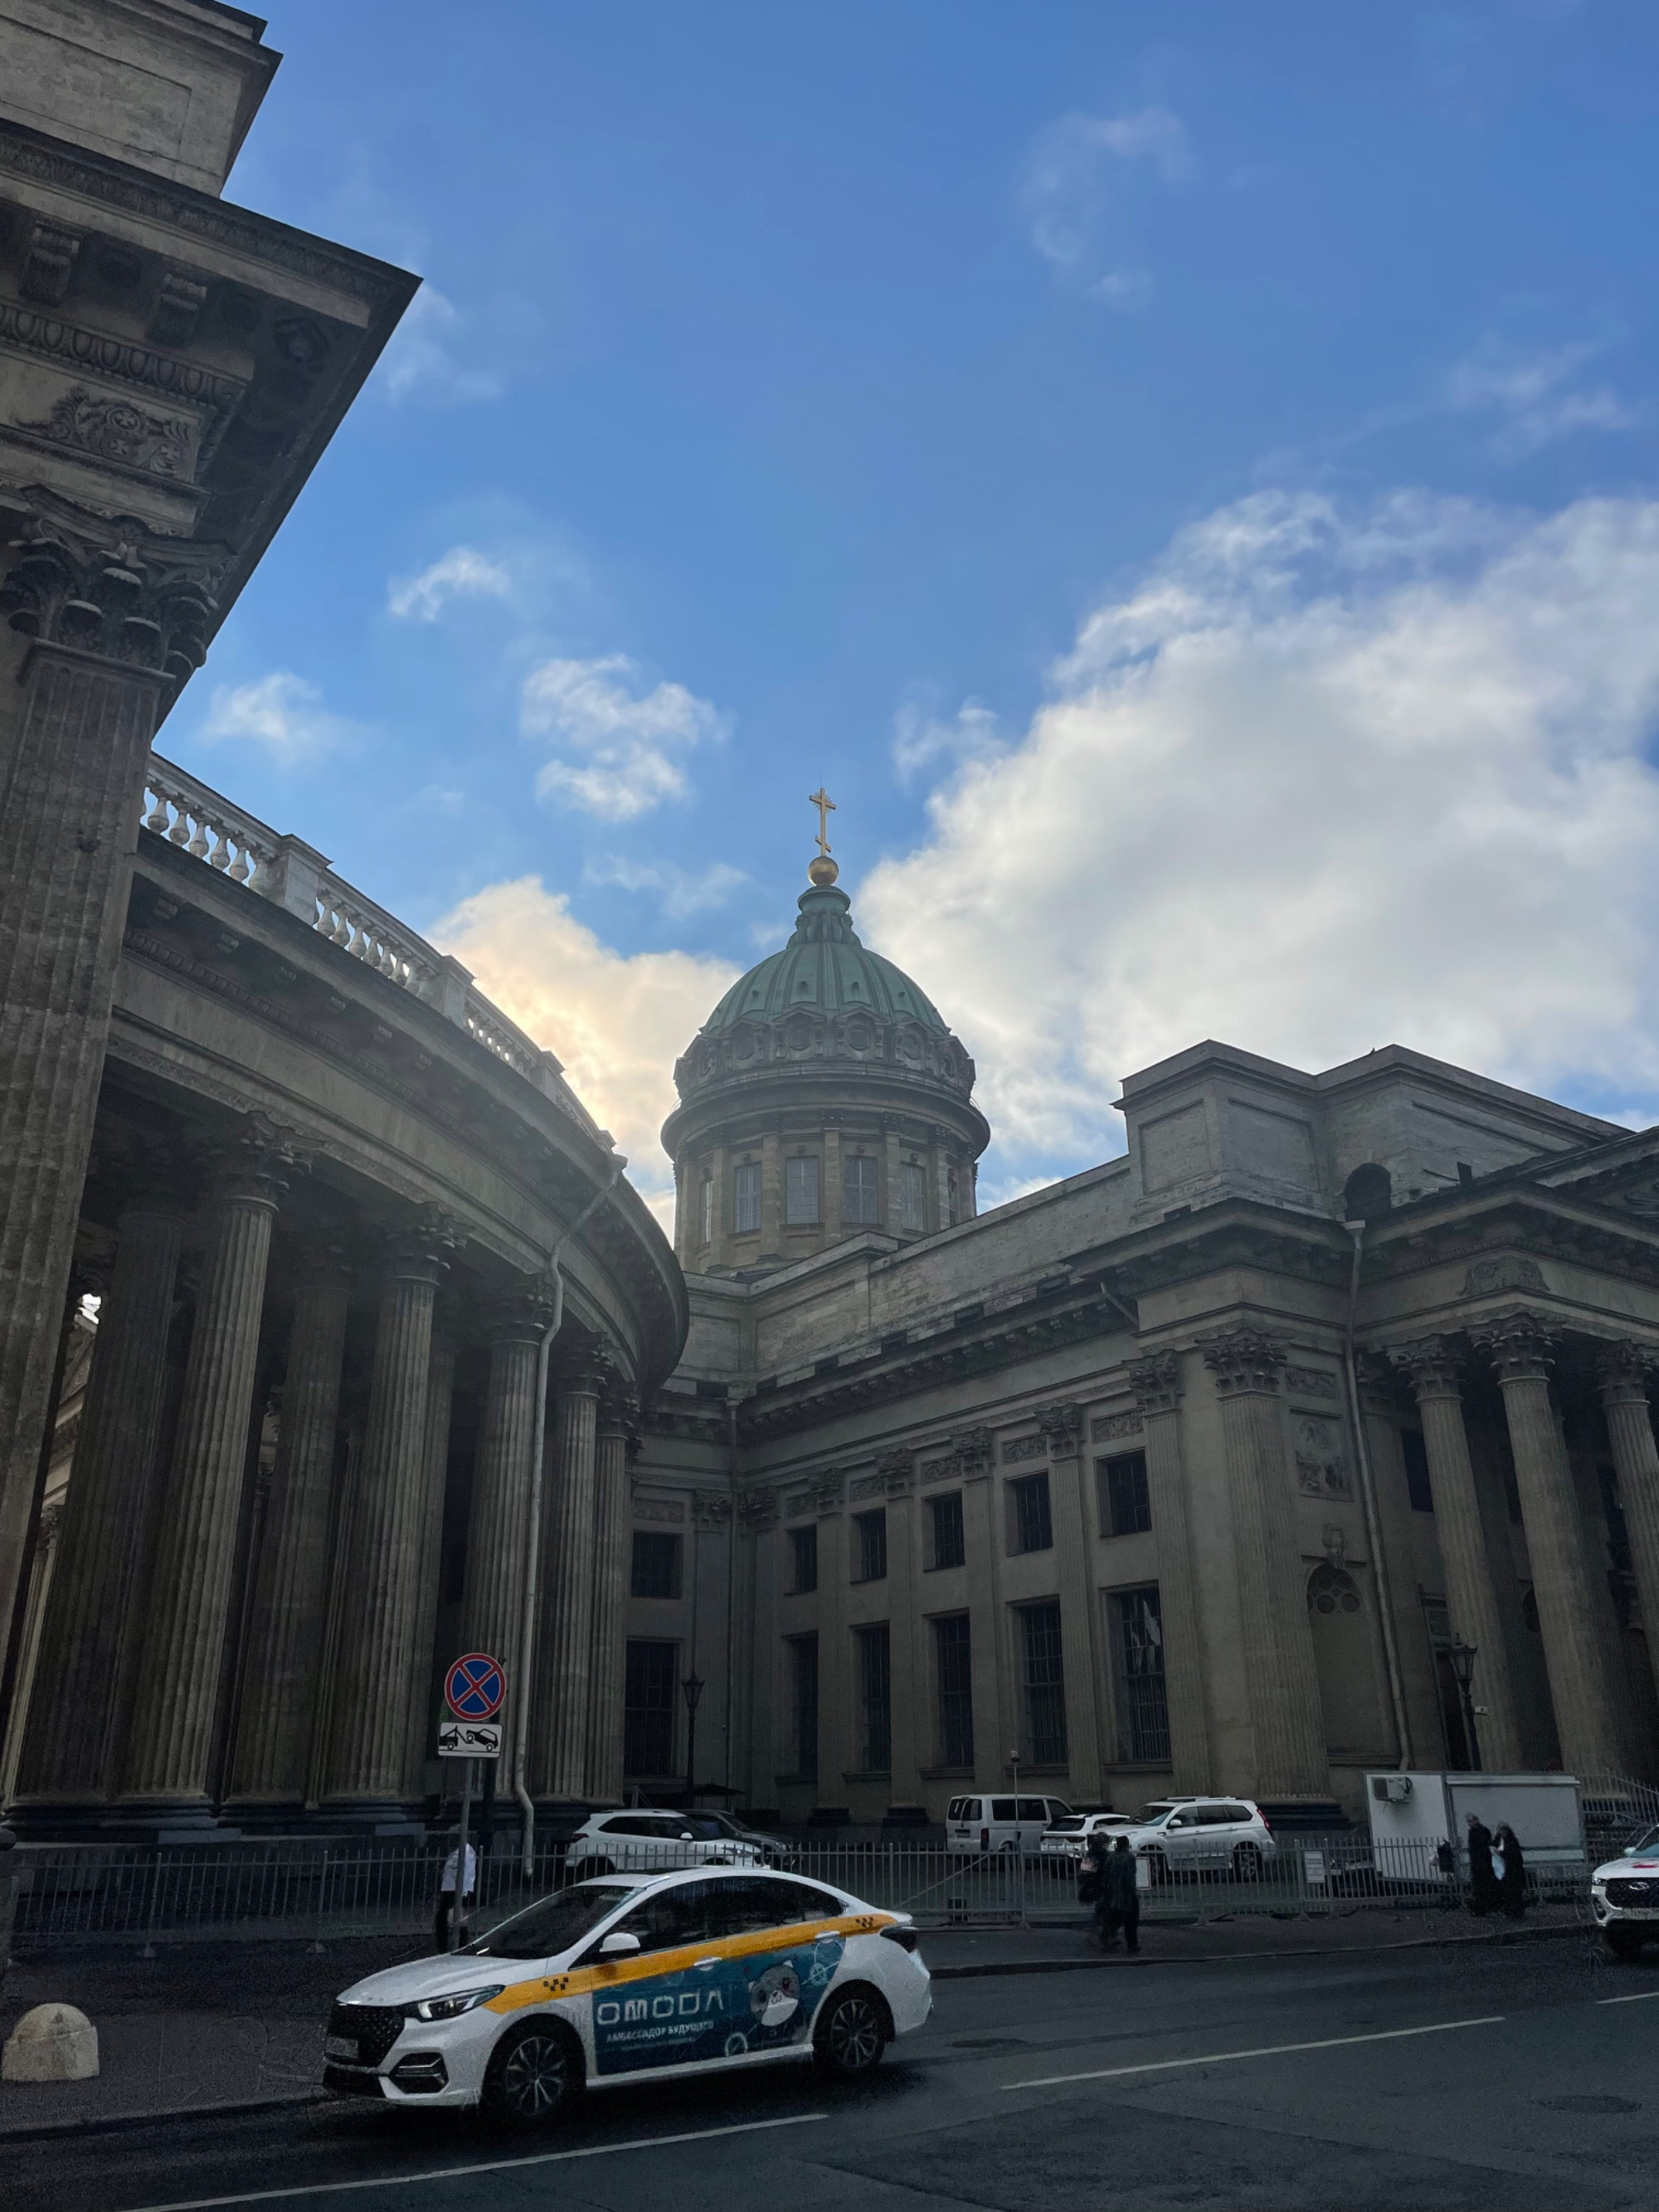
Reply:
x=1426, y=1809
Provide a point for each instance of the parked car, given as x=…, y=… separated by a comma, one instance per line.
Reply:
x=630, y=1978
x=776, y=1851
x=640, y=1841
x=1195, y=1836
x=1064, y=1840
x=976, y=1825
x=1624, y=1896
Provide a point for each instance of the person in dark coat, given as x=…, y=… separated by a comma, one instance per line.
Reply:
x=1123, y=1897
x=1483, y=1882
x=1092, y=1882
x=1512, y=1886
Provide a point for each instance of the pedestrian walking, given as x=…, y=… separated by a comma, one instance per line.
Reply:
x=1445, y=1859
x=1092, y=1882
x=1123, y=1897
x=447, y=1915
x=1483, y=1877
x=1512, y=1880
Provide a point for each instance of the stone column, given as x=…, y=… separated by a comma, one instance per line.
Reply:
x=1622, y=1371
x=565, y=1622
x=1079, y=1631
x=837, y=1689
x=995, y=1700
x=429, y=1555
x=113, y=624
x=612, y=1534
x=272, y=1762
x=908, y=1731
x=757, y=1655
x=1432, y=1364
x=1287, y=1716
x=1157, y=1383
x=374, y=1687
x=492, y=1613
x=1519, y=1345
x=66, y=1751
x=175, y=1705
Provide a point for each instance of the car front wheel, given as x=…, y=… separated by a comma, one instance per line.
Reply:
x=851, y=2035
x=534, y=2075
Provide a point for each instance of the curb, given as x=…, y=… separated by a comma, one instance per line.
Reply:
x=1221, y=1958
x=107, y=2123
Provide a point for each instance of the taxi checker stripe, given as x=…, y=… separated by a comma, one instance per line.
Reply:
x=650, y=1966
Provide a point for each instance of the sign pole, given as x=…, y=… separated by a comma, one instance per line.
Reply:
x=460, y=1907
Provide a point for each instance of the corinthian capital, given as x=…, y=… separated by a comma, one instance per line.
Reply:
x=420, y=1247
x=1622, y=1371
x=1244, y=1360
x=260, y=1161
x=113, y=589
x=1430, y=1364
x=1062, y=1425
x=1520, y=1346
x=1157, y=1381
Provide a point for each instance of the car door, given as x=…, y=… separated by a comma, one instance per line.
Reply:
x=650, y=2009
x=780, y=1944
x=1179, y=1837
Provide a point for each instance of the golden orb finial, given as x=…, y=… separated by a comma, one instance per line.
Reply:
x=821, y=873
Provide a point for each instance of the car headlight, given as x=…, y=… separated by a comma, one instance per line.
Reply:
x=452, y=2007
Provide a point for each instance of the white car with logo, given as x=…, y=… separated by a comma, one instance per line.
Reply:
x=634, y=1977
x=647, y=1842
x=1624, y=1896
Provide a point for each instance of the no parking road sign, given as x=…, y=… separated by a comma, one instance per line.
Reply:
x=474, y=1687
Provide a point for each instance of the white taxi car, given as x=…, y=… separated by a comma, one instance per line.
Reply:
x=1624, y=1896
x=629, y=1977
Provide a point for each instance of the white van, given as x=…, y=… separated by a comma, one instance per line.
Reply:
x=975, y=1825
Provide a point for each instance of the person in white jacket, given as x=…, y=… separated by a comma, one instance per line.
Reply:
x=447, y=1918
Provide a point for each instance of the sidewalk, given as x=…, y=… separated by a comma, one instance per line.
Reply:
x=230, y=2025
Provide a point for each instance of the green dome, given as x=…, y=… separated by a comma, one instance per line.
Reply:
x=823, y=969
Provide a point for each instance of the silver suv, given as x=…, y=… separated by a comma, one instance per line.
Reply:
x=1203, y=1835
x=644, y=1842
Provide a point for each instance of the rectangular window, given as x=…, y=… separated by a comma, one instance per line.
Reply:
x=1142, y=1709
x=656, y=1566
x=913, y=1196
x=1415, y=1455
x=800, y=1193
x=1043, y=1679
x=1125, y=1506
x=707, y=1196
x=804, y=1699
x=858, y=1188
x=746, y=1205
x=648, y=1709
x=1029, y=1527
x=871, y=1530
x=949, y=1550
x=804, y=1542
x=875, y=1700
x=954, y=1674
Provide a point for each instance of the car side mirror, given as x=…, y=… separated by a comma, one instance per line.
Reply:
x=686, y=1836
x=619, y=1945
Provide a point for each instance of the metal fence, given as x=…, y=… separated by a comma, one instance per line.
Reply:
x=326, y=1893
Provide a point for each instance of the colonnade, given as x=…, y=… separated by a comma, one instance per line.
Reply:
x=181, y=1678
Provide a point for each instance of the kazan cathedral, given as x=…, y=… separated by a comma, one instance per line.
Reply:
x=334, y=1342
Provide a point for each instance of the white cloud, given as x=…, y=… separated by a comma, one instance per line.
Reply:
x=1325, y=780
x=628, y=746
x=1535, y=397
x=681, y=891
x=618, y=1021
x=442, y=355
x=281, y=712
x=459, y=574
x=921, y=737
x=1073, y=193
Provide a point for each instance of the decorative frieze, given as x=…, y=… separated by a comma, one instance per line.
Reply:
x=757, y=1509
x=1320, y=1468
x=968, y=1454
x=114, y=429
x=711, y=1509
x=1106, y=1428
x=1022, y=1448
x=1508, y=1272
x=659, y=1510
x=896, y=1472
x=865, y=1486
x=1311, y=1381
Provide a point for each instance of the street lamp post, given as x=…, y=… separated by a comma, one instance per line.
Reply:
x=1462, y=1657
x=692, y=1687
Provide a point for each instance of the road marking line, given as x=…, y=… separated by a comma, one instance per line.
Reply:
x=1264, y=2051
x=1636, y=1996
x=490, y=2165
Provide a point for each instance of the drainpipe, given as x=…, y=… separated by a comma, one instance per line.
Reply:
x=1368, y=1496
x=533, y=1530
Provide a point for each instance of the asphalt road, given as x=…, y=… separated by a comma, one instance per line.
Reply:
x=1520, y=2080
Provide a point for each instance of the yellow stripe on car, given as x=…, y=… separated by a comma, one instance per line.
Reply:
x=650, y=1965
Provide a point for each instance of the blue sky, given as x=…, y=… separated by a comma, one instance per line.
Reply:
x=1181, y=473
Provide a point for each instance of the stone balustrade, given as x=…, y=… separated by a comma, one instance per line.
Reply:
x=200, y=821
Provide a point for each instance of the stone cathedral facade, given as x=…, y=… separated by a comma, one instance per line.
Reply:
x=1187, y=1472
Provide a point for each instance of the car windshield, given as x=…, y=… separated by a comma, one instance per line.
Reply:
x=552, y=1924
x=1641, y=1846
x=1153, y=1816
x=1070, y=1826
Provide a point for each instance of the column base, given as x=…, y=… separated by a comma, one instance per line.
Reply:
x=371, y=1816
x=120, y=1824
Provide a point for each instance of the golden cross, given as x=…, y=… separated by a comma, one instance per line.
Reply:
x=826, y=807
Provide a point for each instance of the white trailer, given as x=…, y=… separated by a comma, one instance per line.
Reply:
x=1423, y=1810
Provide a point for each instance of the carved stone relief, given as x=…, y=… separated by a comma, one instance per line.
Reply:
x=1320, y=1469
